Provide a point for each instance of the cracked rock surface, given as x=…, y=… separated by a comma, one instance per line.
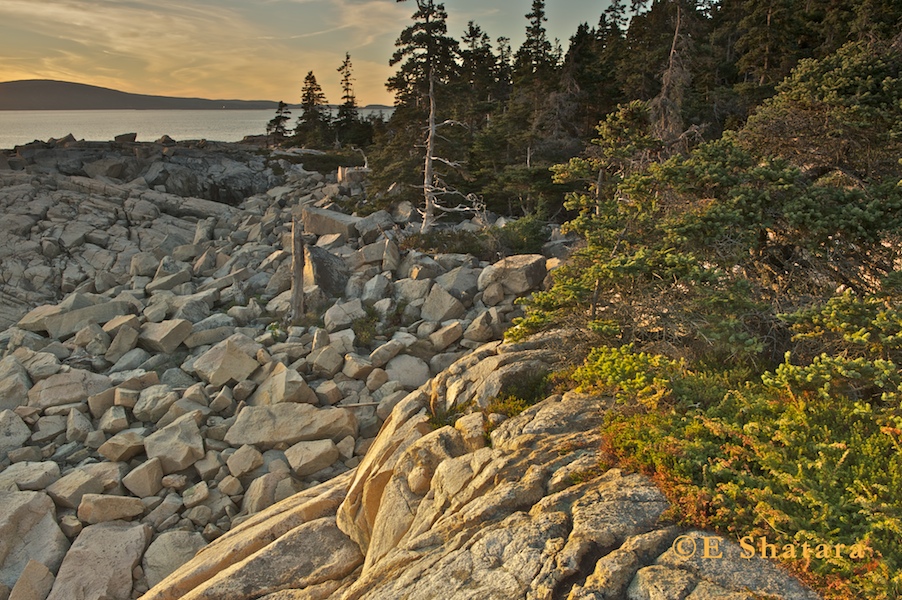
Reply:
x=525, y=517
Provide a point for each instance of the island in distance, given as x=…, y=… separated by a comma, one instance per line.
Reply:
x=44, y=94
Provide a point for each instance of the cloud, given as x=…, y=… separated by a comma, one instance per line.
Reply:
x=210, y=48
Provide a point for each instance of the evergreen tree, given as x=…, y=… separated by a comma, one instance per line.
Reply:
x=313, y=125
x=534, y=59
x=503, y=70
x=276, y=127
x=425, y=53
x=347, y=111
x=349, y=127
x=770, y=40
x=475, y=97
x=531, y=131
x=426, y=56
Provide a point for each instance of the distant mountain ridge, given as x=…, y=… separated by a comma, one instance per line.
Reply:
x=47, y=94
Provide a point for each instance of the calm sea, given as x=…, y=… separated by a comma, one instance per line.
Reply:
x=24, y=126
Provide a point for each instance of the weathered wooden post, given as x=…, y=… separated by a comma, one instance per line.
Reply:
x=297, y=272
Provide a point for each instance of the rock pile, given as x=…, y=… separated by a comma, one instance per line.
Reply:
x=446, y=513
x=75, y=213
x=163, y=401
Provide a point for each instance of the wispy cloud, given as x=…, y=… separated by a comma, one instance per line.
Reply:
x=214, y=48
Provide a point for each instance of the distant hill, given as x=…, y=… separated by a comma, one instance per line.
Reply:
x=41, y=94
x=45, y=94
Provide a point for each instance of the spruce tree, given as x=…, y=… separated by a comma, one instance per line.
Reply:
x=349, y=127
x=276, y=127
x=426, y=62
x=313, y=124
x=347, y=110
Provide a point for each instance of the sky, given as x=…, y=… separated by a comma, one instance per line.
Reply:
x=239, y=49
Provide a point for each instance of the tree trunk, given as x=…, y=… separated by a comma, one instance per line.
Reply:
x=297, y=274
x=428, y=186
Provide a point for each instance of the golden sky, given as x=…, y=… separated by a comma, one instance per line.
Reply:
x=237, y=49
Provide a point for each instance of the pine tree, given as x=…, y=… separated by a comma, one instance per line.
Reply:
x=347, y=111
x=349, y=127
x=276, y=127
x=425, y=53
x=313, y=125
x=769, y=42
x=426, y=56
x=475, y=97
x=534, y=59
x=504, y=71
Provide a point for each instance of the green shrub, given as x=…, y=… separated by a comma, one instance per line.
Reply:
x=526, y=235
x=813, y=454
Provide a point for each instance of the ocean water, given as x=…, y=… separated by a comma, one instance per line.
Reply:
x=24, y=126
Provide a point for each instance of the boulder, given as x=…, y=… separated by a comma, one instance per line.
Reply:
x=223, y=363
x=462, y=283
x=168, y=552
x=384, y=353
x=28, y=531
x=99, y=508
x=178, y=445
x=516, y=274
x=244, y=460
x=410, y=290
x=153, y=402
x=14, y=383
x=283, y=385
x=446, y=336
x=99, y=565
x=78, y=426
x=123, y=446
x=35, y=583
x=13, y=432
x=126, y=339
x=290, y=423
x=146, y=479
x=319, y=221
x=29, y=476
x=343, y=314
x=441, y=306
x=306, y=458
x=325, y=270
x=67, y=388
x=326, y=362
x=66, y=324
x=483, y=328
x=373, y=225
x=410, y=371
x=165, y=336
x=68, y=491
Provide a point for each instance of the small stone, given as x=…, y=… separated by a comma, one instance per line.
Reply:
x=113, y=420
x=146, y=479
x=178, y=445
x=196, y=494
x=230, y=486
x=244, y=460
x=175, y=482
x=123, y=446
x=376, y=379
x=99, y=508
x=306, y=458
x=329, y=393
x=71, y=526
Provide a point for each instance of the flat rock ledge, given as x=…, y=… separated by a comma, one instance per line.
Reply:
x=443, y=514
